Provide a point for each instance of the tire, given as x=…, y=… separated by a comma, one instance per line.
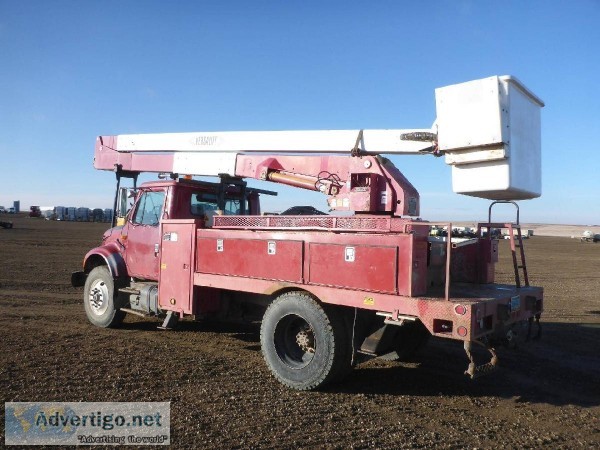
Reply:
x=100, y=300
x=304, y=345
x=409, y=340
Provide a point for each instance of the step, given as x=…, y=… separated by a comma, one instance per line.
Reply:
x=130, y=290
x=133, y=311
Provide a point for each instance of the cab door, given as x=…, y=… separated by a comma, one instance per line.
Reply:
x=141, y=235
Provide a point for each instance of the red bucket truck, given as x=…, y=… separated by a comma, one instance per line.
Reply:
x=330, y=290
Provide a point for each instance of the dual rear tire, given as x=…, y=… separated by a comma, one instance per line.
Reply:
x=304, y=344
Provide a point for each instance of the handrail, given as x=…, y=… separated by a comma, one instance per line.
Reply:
x=502, y=201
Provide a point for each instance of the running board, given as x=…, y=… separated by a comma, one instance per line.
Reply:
x=130, y=290
x=133, y=311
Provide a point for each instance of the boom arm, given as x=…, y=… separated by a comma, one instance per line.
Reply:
x=353, y=182
x=307, y=141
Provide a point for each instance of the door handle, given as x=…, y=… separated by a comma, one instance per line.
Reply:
x=156, y=248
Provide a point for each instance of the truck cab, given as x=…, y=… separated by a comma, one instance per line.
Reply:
x=131, y=250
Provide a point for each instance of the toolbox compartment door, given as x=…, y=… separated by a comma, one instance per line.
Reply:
x=365, y=267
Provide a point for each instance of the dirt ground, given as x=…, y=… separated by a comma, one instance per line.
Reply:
x=222, y=396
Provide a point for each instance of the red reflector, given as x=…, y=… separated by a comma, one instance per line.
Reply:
x=462, y=331
x=461, y=310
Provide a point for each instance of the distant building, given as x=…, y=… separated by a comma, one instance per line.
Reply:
x=108, y=215
x=82, y=214
x=71, y=213
x=60, y=213
x=97, y=215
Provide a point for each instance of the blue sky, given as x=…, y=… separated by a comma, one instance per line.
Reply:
x=72, y=70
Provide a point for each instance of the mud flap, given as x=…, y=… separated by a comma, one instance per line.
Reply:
x=78, y=279
x=538, y=335
x=170, y=321
x=379, y=341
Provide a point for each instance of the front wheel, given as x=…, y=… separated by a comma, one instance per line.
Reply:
x=304, y=345
x=100, y=300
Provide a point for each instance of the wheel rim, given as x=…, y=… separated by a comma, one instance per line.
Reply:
x=294, y=341
x=98, y=297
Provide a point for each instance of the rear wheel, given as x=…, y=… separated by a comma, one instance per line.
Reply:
x=304, y=345
x=100, y=299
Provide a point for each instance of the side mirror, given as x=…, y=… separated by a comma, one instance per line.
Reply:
x=125, y=201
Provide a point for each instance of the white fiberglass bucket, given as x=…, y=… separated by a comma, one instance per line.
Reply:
x=490, y=132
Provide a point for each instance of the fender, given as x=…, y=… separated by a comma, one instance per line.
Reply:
x=111, y=255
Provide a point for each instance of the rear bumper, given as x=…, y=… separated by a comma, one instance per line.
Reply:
x=504, y=319
x=78, y=278
x=490, y=312
x=494, y=313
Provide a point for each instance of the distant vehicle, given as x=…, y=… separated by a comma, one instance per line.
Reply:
x=507, y=236
x=467, y=232
x=2, y=209
x=303, y=211
x=97, y=215
x=34, y=211
x=47, y=212
x=11, y=210
x=435, y=231
x=589, y=236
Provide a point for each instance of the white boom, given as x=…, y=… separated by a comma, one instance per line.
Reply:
x=307, y=141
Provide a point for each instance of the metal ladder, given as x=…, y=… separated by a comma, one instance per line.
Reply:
x=513, y=247
x=512, y=227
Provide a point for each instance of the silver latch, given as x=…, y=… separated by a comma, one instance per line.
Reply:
x=350, y=254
